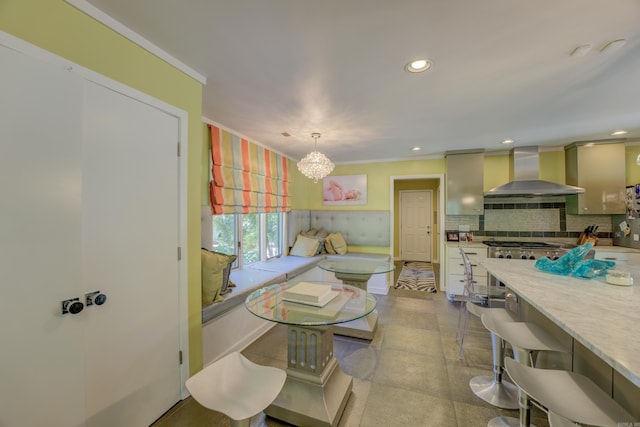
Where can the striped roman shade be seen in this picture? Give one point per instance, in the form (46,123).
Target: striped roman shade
(246,178)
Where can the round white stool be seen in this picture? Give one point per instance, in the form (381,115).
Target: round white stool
(494,389)
(526,339)
(569,397)
(237,387)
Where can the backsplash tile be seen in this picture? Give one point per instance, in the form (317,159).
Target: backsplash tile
(529,217)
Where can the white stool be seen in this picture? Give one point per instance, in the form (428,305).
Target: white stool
(569,397)
(494,389)
(237,387)
(526,339)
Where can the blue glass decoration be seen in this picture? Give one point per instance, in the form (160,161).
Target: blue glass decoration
(572,263)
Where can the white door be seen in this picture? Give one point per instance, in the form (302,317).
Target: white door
(415,225)
(41,351)
(130,245)
(89,201)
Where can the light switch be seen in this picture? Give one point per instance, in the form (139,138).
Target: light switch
(636,237)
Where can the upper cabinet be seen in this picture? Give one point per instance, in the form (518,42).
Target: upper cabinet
(465,180)
(599,168)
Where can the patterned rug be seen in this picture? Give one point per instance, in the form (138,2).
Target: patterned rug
(417,276)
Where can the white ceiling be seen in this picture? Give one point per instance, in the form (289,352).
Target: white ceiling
(501,70)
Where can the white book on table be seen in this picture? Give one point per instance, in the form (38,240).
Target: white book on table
(314,294)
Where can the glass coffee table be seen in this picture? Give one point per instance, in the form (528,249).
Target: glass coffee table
(316,390)
(357,272)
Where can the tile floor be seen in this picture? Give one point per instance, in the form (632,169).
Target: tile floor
(408,375)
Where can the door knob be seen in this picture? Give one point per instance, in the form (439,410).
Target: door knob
(95,297)
(73,306)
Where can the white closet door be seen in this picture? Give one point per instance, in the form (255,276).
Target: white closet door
(130,241)
(41,351)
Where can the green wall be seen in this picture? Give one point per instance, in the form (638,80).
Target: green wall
(65,31)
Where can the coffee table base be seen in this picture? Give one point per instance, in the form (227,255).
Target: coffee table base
(316,390)
(322,403)
(364,328)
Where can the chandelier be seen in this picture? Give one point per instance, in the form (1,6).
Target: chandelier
(315,165)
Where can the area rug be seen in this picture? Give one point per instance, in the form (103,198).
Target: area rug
(417,276)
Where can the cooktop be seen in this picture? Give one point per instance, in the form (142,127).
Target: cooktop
(504,244)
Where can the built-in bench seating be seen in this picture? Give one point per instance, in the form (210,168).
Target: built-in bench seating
(228,327)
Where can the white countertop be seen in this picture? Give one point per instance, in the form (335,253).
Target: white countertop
(604,318)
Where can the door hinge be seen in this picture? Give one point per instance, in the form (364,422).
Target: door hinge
(180,356)
(179,253)
(178,149)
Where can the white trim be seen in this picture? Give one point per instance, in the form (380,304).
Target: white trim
(33,51)
(134,37)
(441,217)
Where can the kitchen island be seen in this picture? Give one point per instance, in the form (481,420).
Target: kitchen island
(602,317)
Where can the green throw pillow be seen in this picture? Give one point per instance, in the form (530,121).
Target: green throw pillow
(213,265)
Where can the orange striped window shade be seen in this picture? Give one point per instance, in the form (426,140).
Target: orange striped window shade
(246,178)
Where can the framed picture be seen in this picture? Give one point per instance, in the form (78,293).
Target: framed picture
(452,236)
(345,190)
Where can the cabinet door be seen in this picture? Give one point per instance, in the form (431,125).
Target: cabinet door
(42,352)
(600,170)
(465,181)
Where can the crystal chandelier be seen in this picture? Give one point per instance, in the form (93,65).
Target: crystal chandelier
(315,165)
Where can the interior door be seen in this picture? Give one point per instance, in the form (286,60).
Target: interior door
(130,241)
(42,351)
(415,225)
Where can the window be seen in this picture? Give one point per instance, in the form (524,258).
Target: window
(274,234)
(253,237)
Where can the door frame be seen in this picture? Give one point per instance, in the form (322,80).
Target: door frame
(400,254)
(182,116)
(440,214)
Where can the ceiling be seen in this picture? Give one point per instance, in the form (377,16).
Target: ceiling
(502,69)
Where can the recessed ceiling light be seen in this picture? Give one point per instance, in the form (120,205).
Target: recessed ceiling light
(416,148)
(507,141)
(418,66)
(619,132)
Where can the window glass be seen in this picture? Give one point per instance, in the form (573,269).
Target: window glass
(273,234)
(224,234)
(250,239)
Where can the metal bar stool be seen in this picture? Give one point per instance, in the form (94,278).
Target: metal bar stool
(568,396)
(237,387)
(527,340)
(495,390)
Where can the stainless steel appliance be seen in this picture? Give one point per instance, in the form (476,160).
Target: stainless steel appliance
(523,250)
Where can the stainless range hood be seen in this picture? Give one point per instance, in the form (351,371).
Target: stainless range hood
(523,168)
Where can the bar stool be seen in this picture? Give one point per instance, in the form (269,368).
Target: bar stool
(237,387)
(568,396)
(527,340)
(480,295)
(494,389)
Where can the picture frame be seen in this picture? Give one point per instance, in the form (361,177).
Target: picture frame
(453,236)
(344,190)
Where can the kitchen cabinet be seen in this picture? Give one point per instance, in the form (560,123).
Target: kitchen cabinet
(454,287)
(465,184)
(599,168)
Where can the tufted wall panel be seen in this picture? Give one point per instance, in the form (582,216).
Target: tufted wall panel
(366,228)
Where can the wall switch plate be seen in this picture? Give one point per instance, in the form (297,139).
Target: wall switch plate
(636,237)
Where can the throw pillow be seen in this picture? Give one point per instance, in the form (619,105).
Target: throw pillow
(213,265)
(328,245)
(304,246)
(338,243)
